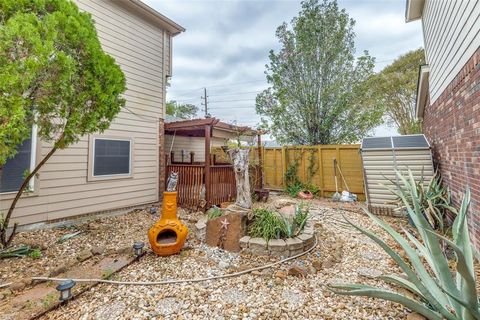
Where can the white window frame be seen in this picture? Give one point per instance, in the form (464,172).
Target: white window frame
(130,158)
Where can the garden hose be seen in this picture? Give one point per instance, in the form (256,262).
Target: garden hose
(153,283)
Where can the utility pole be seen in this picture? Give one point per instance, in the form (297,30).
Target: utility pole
(205,102)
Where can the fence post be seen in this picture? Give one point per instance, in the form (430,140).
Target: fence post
(284,166)
(320,168)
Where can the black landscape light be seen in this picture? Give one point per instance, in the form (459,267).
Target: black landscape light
(65,289)
(138,248)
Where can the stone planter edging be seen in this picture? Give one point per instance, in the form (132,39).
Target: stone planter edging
(280,247)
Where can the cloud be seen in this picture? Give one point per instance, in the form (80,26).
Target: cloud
(226,45)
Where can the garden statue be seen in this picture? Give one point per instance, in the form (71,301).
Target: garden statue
(167,236)
(240,167)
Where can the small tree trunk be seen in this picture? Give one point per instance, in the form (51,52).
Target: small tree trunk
(4,241)
(240,166)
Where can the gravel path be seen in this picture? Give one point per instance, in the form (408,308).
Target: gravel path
(341,256)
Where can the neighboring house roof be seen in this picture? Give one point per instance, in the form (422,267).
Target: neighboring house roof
(166,23)
(271,144)
(422,90)
(414,10)
(170,118)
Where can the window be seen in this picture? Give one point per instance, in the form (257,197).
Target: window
(111,157)
(12,173)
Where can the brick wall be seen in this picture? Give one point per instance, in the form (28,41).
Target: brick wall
(452,126)
(161,154)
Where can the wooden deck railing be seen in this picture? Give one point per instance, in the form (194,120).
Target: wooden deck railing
(222,184)
(191,179)
(189,185)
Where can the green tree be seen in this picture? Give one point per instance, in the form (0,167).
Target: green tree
(55,75)
(316,94)
(183,111)
(394,90)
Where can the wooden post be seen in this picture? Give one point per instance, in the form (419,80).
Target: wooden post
(260,162)
(208,133)
(192,157)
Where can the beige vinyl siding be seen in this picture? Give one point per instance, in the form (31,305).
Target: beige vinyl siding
(379,166)
(190,144)
(63,189)
(451,36)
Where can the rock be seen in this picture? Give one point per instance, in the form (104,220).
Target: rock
(225,231)
(201,223)
(277,246)
(2,296)
(369,272)
(317,264)
(58,270)
(17,286)
(84,255)
(124,250)
(328,264)
(258,245)
(98,250)
(288,211)
(370,255)
(280,203)
(280,274)
(294,244)
(244,242)
(415,316)
(297,271)
(223,264)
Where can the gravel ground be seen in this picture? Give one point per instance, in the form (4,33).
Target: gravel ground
(341,256)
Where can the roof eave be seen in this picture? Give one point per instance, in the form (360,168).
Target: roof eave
(171,26)
(422,90)
(414,10)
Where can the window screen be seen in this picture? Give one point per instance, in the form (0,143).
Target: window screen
(11,175)
(111,157)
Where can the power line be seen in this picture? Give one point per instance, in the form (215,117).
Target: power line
(220,101)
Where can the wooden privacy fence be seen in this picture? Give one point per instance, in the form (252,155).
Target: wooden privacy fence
(315,166)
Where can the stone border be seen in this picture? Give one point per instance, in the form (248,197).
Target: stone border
(280,247)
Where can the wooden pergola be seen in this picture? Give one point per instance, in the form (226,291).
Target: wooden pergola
(217,180)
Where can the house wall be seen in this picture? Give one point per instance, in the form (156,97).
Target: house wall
(63,189)
(451,35)
(195,144)
(452,125)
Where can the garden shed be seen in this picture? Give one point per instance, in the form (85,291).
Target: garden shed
(381,156)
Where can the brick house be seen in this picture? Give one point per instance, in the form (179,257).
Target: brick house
(448,94)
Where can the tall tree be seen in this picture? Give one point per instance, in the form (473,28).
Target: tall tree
(183,111)
(394,89)
(55,75)
(316,94)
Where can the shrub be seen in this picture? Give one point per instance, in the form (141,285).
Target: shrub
(214,212)
(441,293)
(272,225)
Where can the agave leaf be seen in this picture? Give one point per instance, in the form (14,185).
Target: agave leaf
(373,292)
(423,250)
(404,283)
(431,242)
(468,279)
(432,294)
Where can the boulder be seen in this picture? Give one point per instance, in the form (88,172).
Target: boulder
(225,231)
(84,255)
(297,271)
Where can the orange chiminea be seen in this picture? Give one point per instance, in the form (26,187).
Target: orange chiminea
(168,235)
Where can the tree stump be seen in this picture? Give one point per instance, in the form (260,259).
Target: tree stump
(240,162)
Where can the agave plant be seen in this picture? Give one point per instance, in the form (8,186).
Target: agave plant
(441,293)
(434,199)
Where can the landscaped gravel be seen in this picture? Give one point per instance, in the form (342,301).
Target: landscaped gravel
(342,255)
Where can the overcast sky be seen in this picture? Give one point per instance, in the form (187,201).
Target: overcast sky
(226,44)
